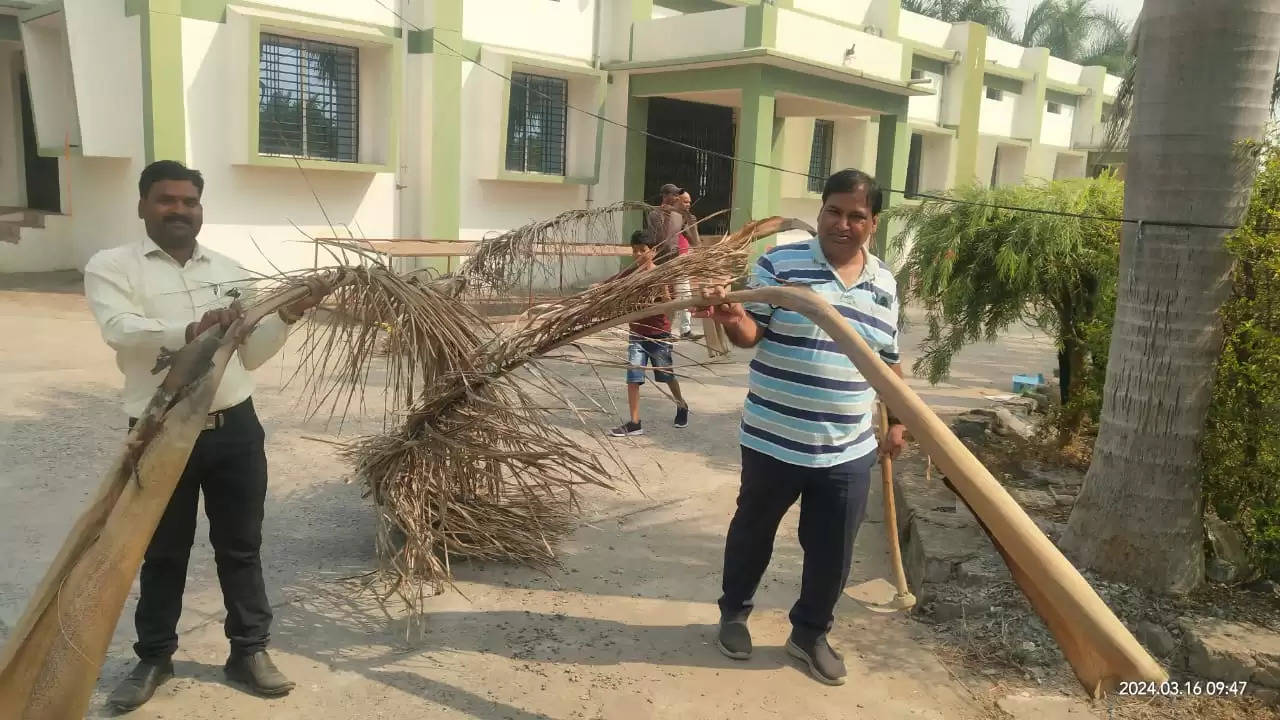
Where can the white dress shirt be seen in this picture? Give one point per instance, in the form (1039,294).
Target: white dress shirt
(143,301)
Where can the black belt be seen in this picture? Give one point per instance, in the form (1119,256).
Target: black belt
(213,421)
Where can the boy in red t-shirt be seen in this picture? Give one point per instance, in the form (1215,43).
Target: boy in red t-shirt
(649,342)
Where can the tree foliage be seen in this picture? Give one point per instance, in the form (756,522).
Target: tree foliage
(1077,31)
(992,13)
(1073,30)
(1241,446)
(977,270)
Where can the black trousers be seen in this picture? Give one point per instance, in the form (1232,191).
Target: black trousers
(230,466)
(833,502)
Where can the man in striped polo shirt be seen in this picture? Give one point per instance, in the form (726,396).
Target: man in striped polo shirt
(807,429)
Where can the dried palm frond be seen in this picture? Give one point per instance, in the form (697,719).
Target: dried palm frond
(503,262)
(476,470)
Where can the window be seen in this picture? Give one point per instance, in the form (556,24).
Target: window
(1054,107)
(995,94)
(820,154)
(536,124)
(914,157)
(308,99)
(917,74)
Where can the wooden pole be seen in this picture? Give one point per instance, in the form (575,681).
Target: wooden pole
(903,599)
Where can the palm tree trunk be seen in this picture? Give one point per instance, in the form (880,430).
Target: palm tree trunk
(1203,83)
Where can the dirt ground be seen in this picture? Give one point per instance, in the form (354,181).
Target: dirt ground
(624,631)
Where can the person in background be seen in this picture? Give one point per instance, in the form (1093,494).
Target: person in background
(158,294)
(688,238)
(806,429)
(649,343)
(666,221)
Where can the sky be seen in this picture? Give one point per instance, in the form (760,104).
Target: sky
(1128,9)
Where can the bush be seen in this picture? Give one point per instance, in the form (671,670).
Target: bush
(1240,453)
(978,269)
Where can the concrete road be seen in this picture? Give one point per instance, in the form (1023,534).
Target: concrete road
(625,631)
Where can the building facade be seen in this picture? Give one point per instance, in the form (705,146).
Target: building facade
(454,119)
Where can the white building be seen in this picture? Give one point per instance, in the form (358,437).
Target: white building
(412,132)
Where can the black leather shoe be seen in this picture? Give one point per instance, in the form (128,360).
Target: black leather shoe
(140,685)
(258,672)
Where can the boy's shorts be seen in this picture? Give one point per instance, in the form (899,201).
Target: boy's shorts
(651,351)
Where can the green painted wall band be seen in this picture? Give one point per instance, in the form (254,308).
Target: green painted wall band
(444,205)
(164,119)
(634,165)
(422,42)
(1036,93)
(739,76)
(752,184)
(762,26)
(893,145)
(971,71)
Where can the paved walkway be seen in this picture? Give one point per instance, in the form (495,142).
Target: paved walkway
(625,631)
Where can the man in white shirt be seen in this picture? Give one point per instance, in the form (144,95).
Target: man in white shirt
(156,295)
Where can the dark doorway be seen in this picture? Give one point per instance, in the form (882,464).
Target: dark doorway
(914,156)
(708,178)
(43,192)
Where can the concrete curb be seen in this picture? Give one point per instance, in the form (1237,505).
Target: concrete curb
(941,543)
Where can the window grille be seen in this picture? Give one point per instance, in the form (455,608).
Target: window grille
(536,124)
(308,99)
(820,154)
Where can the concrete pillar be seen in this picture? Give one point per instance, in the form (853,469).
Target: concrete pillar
(968,79)
(636,151)
(892,149)
(752,184)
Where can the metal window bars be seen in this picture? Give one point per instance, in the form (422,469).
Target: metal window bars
(308,99)
(820,154)
(536,124)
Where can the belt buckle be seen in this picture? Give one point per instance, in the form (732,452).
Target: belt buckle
(212,421)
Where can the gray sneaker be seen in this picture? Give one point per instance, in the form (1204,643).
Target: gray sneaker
(734,640)
(825,664)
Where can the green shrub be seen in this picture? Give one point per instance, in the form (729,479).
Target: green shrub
(977,270)
(1241,448)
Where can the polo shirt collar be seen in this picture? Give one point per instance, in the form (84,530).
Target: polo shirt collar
(870,266)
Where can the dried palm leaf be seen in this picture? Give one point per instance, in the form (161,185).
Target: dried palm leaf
(502,262)
(475,471)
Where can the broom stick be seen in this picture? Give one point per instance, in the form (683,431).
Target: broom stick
(903,599)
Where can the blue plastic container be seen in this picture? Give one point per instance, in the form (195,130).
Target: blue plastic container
(1027,382)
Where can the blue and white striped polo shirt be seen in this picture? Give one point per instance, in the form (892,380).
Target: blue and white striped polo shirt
(808,405)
